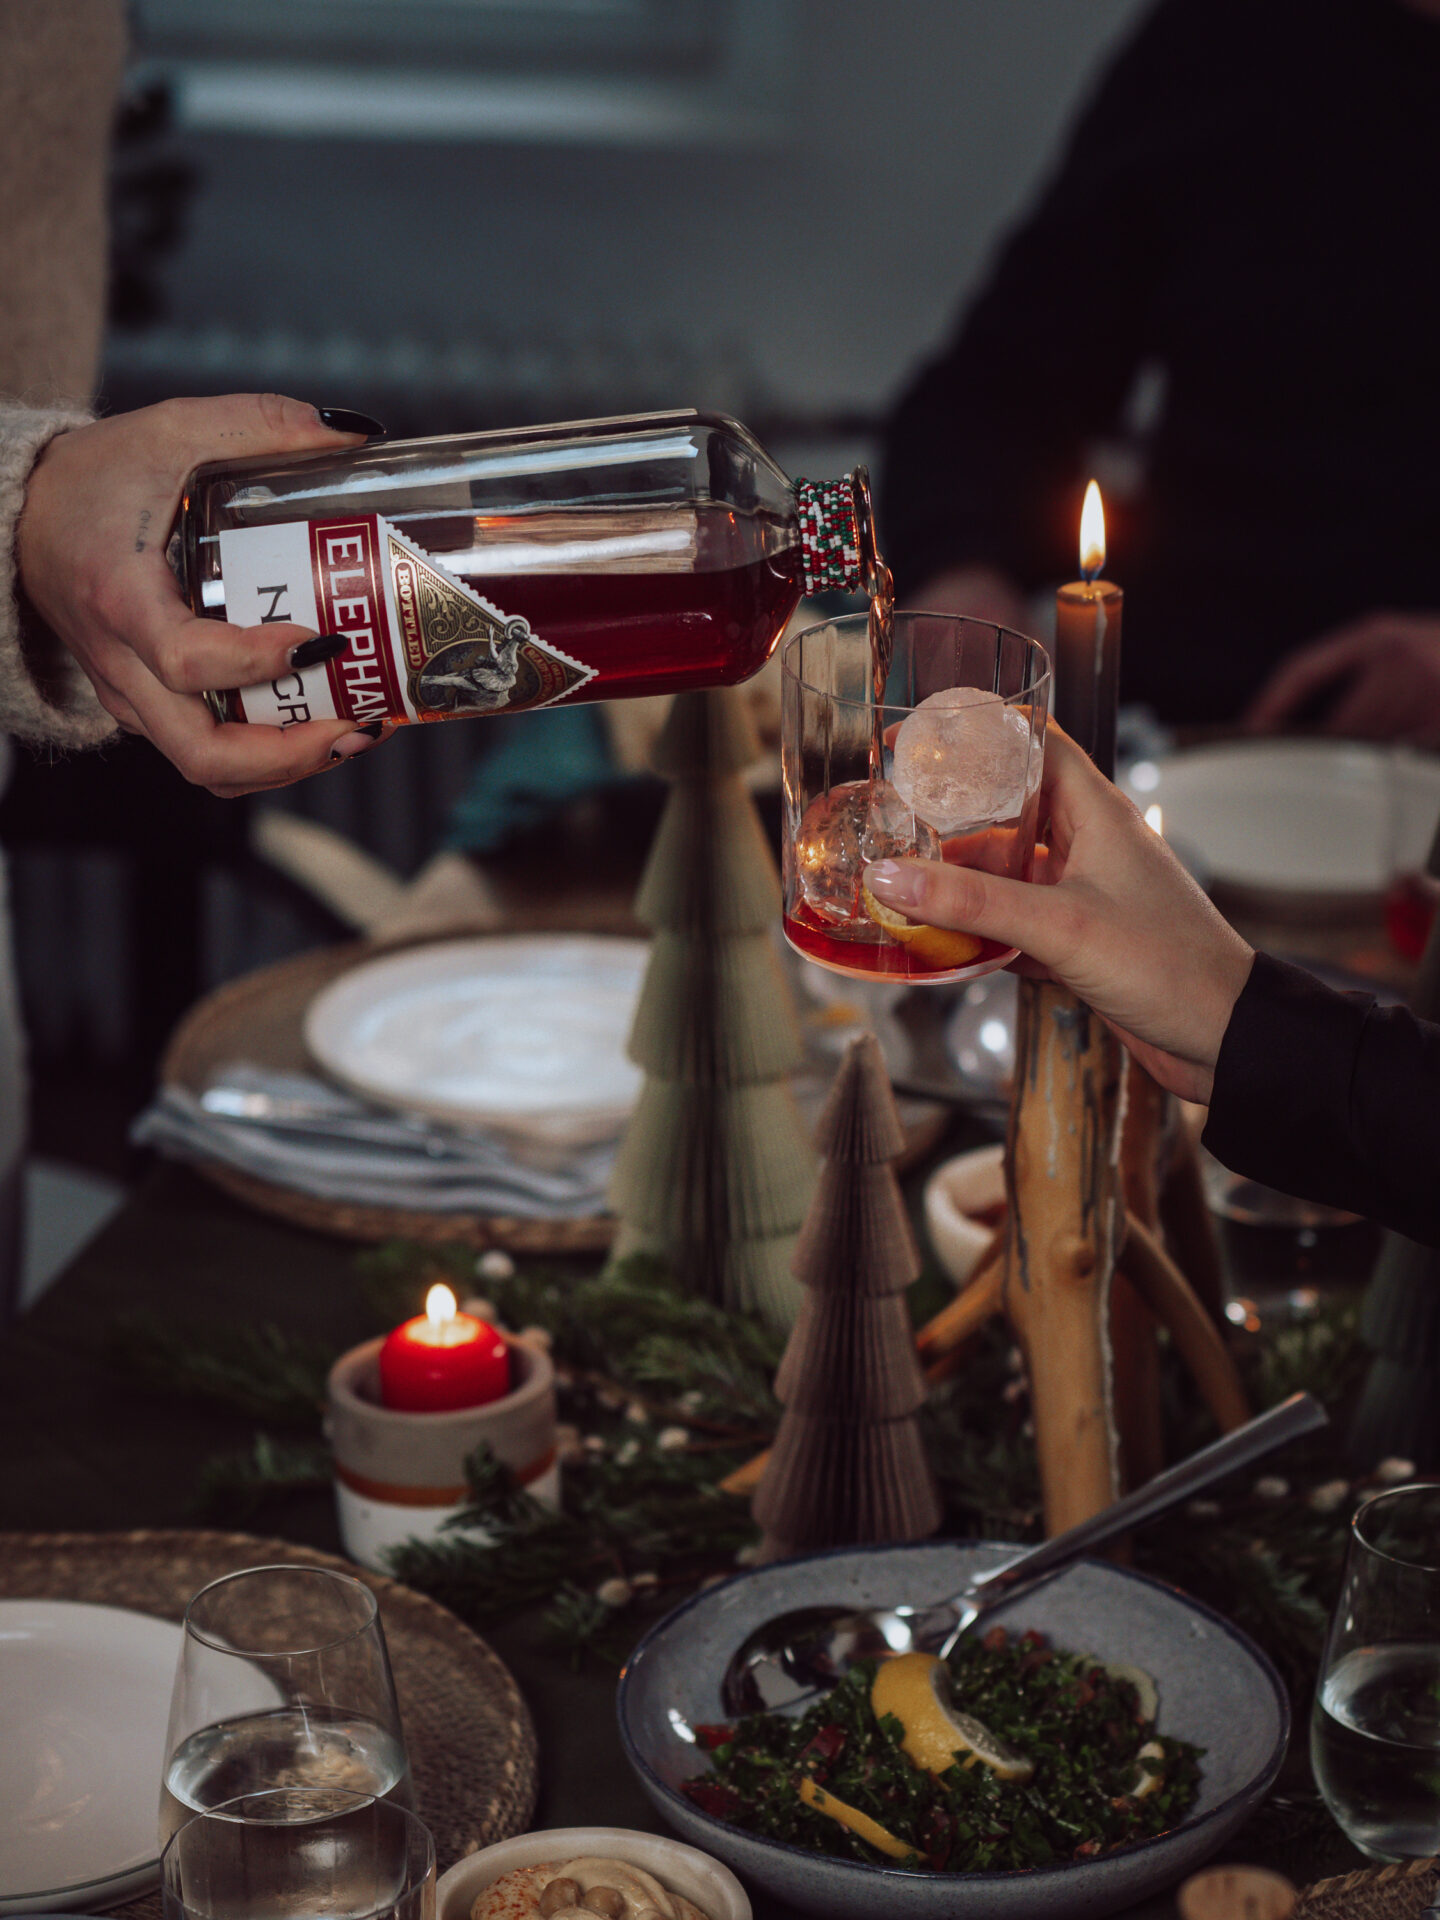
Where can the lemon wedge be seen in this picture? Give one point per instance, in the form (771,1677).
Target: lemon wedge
(1147,1695)
(1145,1782)
(915,1688)
(935,946)
(860,1824)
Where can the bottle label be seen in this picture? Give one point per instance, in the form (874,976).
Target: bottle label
(422,645)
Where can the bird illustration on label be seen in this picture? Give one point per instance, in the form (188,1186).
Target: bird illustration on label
(476,676)
(465,655)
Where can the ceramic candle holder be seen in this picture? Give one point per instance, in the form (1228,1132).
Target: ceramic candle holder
(401,1476)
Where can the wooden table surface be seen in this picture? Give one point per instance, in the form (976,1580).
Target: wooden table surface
(81,1449)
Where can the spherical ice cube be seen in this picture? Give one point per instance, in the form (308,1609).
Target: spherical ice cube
(841,832)
(892,831)
(962,759)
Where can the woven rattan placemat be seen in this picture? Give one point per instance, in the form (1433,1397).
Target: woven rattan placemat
(471,1741)
(1378,1893)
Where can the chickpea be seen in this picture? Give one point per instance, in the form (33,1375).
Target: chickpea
(559,1895)
(605,1900)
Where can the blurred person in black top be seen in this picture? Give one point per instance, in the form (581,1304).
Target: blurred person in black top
(1249,203)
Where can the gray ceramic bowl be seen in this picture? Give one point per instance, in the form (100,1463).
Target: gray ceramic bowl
(1216,1689)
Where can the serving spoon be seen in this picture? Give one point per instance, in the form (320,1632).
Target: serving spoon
(797,1654)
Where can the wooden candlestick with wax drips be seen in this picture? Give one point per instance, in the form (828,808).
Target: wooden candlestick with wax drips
(1095,1159)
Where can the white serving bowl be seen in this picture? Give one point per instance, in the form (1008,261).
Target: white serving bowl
(971,1183)
(681,1869)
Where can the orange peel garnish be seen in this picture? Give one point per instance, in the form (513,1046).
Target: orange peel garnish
(935,946)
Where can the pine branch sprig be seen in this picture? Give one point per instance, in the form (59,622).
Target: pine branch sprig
(654,1512)
(233,1486)
(258,1370)
(636,1358)
(580,1625)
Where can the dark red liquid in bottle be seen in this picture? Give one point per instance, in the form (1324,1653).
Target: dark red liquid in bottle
(709,620)
(653,632)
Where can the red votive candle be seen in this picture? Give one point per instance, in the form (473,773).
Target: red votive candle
(442,1360)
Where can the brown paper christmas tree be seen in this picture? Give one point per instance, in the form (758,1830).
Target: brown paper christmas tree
(715,1169)
(848,1465)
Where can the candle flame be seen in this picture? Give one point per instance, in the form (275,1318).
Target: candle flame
(1092,533)
(1155,820)
(439,1305)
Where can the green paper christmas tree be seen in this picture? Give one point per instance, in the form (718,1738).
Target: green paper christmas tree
(716,1168)
(849,1466)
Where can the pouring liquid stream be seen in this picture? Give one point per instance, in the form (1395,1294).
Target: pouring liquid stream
(881,585)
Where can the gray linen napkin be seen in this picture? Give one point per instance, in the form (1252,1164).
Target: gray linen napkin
(299,1132)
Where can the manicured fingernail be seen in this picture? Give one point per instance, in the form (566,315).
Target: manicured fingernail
(345,420)
(892,884)
(361,741)
(325,646)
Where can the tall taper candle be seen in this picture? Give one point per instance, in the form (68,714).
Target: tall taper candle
(1087,645)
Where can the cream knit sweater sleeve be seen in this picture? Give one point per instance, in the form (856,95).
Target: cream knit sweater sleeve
(44,696)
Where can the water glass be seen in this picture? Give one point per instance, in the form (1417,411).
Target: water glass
(283,1681)
(1375,1732)
(946,766)
(297,1853)
(1282,1255)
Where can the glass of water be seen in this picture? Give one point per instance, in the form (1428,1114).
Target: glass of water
(283,1682)
(300,1853)
(1375,1733)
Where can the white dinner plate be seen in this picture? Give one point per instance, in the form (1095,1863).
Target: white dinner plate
(522,1033)
(1295,817)
(84,1701)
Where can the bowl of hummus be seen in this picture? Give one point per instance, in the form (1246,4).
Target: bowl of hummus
(590,1873)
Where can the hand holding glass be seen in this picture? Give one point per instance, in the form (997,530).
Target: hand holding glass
(961,739)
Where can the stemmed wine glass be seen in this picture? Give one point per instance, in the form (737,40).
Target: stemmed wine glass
(283,1682)
(295,1853)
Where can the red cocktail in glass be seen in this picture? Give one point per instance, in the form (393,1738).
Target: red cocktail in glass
(962,743)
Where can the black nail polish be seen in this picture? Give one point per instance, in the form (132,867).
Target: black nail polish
(325,646)
(345,420)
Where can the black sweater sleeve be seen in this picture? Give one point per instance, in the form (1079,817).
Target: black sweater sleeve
(984,450)
(1331,1097)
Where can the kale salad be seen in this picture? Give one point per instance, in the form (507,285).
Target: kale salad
(1011,1754)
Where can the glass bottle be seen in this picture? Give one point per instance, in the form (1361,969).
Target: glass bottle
(490,572)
